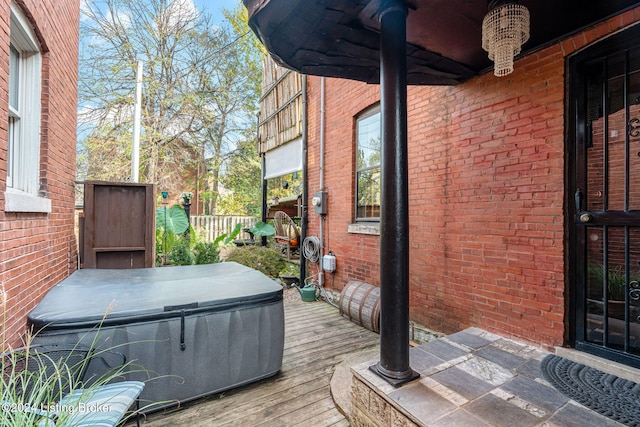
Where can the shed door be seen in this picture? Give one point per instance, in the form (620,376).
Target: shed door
(606,190)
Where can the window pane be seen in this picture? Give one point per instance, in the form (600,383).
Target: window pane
(368,141)
(595,138)
(634,145)
(12,148)
(368,204)
(368,165)
(25,79)
(14,78)
(615,140)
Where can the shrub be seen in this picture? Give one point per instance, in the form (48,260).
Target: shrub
(290,269)
(262,258)
(206,253)
(181,255)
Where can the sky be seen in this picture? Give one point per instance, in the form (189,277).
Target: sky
(215,7)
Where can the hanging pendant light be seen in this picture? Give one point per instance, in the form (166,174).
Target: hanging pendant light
(505,29)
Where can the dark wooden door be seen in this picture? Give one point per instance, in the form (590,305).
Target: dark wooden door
(605,220)
(119,225)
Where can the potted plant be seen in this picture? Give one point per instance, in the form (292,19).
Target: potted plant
(186,197)
(290,275)
(616,287)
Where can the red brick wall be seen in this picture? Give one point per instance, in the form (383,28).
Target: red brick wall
(344,100)
(487,176)
(39,250)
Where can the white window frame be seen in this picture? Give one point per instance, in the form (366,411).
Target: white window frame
(367,115)
(23,162)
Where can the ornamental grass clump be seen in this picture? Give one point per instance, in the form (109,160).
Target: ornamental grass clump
(35,378)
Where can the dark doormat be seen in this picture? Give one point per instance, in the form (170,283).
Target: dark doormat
(611,396)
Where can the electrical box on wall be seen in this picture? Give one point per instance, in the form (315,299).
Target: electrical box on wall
(319,202)
(329,263)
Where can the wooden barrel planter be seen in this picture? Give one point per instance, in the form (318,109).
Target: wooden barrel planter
(360,303)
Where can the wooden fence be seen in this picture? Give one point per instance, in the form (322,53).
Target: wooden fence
(212,226)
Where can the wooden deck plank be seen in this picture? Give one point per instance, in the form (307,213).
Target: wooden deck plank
(317,339)
(311,409)
(260,400)
(335,343)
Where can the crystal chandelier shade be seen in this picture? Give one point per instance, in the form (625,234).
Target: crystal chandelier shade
(504,30)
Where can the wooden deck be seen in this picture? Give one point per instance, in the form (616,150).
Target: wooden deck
(317,339)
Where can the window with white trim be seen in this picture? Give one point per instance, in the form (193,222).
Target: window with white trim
(25,81)
(368,160)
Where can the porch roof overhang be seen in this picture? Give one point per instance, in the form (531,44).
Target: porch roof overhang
(336,38)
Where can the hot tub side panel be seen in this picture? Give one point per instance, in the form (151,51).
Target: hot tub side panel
(186,357)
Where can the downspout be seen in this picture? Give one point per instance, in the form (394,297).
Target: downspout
(305,182)
(393,366)
(322,188)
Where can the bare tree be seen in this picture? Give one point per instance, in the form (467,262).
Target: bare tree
(200,92)
(227,97)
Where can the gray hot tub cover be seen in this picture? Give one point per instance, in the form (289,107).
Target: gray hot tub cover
(90,297)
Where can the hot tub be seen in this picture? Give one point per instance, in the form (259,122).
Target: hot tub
(195,330)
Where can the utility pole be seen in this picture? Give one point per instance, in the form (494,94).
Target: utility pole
(137,107)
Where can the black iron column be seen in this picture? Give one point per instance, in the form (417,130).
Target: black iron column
(304,220)
(394,216)
(263,218)
(186,204)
